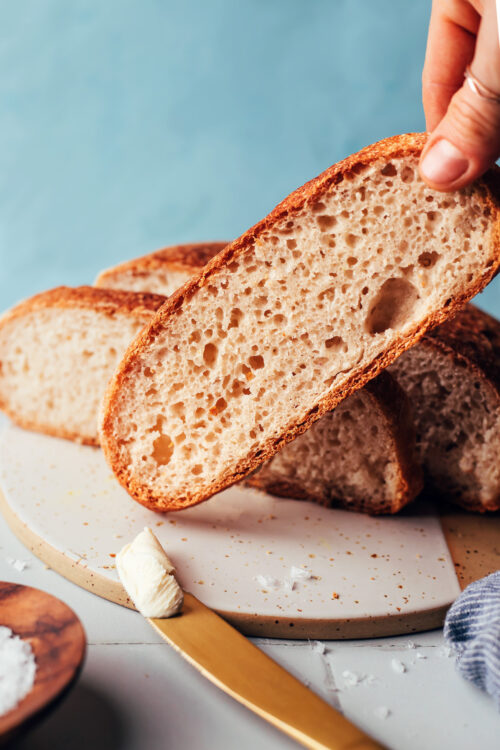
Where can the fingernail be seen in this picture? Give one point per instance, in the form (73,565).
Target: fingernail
(443,163)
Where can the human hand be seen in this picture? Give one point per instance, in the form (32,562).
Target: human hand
(464,126)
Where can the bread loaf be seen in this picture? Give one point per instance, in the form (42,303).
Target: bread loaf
(360,456)
(289,319)
(58,351)
(161,272)
(337,463)
(453,380)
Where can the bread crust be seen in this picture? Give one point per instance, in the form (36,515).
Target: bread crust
(471,340)
(188,258)
(488,190)
(391,403)
(107,301)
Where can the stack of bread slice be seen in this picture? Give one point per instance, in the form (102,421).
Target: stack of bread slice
(60,348)
(243,372)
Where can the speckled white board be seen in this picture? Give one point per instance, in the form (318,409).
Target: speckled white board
(361,567)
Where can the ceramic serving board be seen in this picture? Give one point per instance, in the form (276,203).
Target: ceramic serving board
(241,553)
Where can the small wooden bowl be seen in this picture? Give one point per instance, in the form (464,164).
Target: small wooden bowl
(57,639)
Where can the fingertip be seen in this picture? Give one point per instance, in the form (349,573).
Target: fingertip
(443,166)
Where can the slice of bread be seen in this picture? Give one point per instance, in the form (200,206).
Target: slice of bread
(59,349)
(360,456)
(161,272)
(453,380)
(302,310)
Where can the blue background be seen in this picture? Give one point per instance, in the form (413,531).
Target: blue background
(131,124)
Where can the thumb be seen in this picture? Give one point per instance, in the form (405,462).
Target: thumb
(467,140)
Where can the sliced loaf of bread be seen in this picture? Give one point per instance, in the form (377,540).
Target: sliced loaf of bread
(337,463)
(59,349)
(161,272)
(360,456)
(453,380)
(289,319)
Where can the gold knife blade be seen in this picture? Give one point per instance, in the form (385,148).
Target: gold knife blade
(230,661)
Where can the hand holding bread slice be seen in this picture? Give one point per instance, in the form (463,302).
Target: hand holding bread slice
(289,319)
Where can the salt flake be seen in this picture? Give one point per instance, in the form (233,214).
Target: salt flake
(299,574)
(382,712)
(351,679)
(398,666)
(17,669)
(318,647)
(18,565)
(268,582)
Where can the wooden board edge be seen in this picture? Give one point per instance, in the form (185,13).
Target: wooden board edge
(473,541)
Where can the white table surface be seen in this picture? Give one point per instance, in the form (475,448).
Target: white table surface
(136,693)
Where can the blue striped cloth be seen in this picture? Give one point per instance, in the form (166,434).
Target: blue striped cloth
(472,630)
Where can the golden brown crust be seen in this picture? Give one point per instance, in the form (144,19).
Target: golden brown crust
(471,340)
(189,258)
(110,302)
(390,402)
(107,301)
(488,190)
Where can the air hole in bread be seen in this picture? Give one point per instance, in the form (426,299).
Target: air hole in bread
(219,406)
(407,174)
(326,222)
(334,343)
(236,316)
(392,306)
(210,354)
(389,170)
(256,362)
(427,260)
(318,207)
(163,449)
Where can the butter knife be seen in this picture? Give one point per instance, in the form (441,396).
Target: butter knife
(230,661)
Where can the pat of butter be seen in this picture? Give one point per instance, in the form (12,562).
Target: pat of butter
(148,576)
